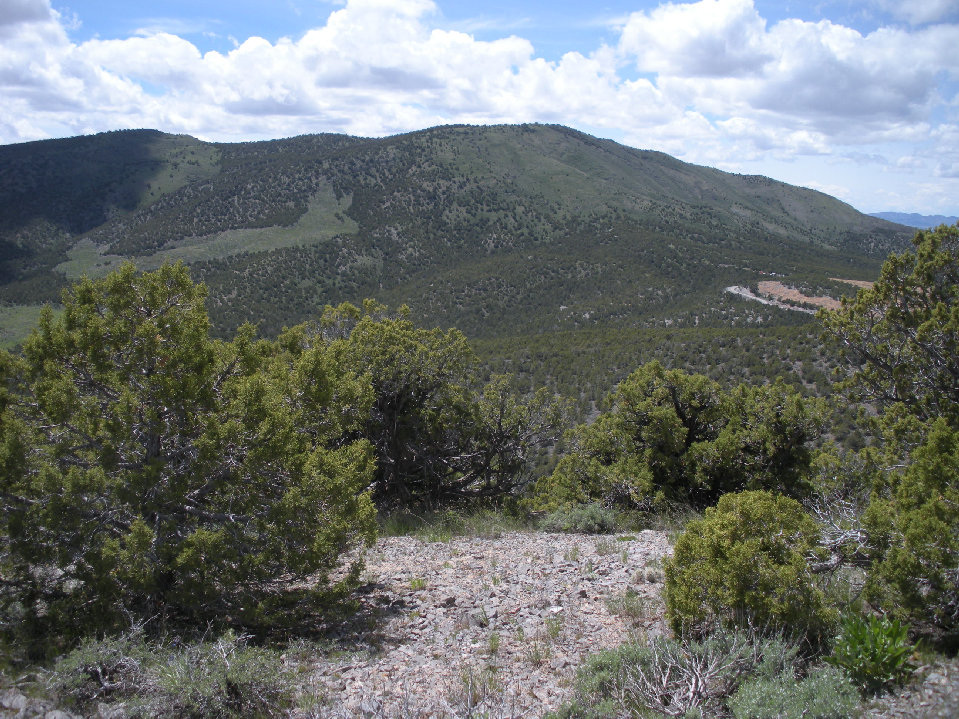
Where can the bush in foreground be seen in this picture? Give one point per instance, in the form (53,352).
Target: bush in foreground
(746,561)
(914,538)
(825,693)
(221,679)
(734,671)
(874,652)
(162,473)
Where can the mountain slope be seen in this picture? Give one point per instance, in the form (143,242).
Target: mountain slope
(505,232)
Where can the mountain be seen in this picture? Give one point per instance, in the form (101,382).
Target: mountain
(913,219)
(557,253)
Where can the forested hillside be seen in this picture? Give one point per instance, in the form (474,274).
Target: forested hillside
(527,238)
(191,473)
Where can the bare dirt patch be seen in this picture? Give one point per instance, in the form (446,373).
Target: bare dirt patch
(864,284)
(491,627)
(783,293)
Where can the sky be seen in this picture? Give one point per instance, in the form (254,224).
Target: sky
(857,98)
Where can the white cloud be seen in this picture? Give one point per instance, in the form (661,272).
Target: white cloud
(14,12)
(710,38)
(717,55)
(717,84)
(919,12)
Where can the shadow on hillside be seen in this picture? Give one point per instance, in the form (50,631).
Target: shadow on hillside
(358,622)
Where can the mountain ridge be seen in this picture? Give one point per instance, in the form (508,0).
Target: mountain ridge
(503,231)
(915,219)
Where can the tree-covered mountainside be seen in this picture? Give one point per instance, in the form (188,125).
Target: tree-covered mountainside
(526,238)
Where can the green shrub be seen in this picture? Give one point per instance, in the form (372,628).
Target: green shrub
(874,652)
(598,680)
(223,679)
(168,472)
(581,519)
(825,693)
(675,677)
(914,540)
(100,669)
(746,561)
(670,436)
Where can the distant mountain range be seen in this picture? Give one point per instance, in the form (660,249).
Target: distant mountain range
(913,219)
(531,238)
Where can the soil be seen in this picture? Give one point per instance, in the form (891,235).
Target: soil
(497,627)
(489,626)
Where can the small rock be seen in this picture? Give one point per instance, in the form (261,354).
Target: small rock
(111,711)
(57,714)
(12,699)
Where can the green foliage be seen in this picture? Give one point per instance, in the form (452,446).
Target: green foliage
(440,437)
(824,693)
(167,473)
(873,651)
(913,531)
(103,669)
(220,679)
(445,524)
(581,518)
(746,561)
(223,679)
(903,334)
(671,436)
(902,338)
(676,677)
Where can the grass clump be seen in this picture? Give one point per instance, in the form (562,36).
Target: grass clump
(443,525)
(581,519)
(222,679)
(824,693)
(728,672)
(630,605)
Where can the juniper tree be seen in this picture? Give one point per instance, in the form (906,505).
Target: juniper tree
(149,470)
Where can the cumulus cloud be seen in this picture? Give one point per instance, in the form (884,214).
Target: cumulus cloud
(710,38)
(820,75)
(710,81)
(13,12)
(919,12)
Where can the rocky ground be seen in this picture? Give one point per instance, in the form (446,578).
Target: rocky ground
(934,695)
(492,627)
(496,627)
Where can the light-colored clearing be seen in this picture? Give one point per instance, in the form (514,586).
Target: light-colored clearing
(781,292)
(17,322)
(325,218)
(864,284)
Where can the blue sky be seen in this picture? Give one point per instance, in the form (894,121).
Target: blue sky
(858,98)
